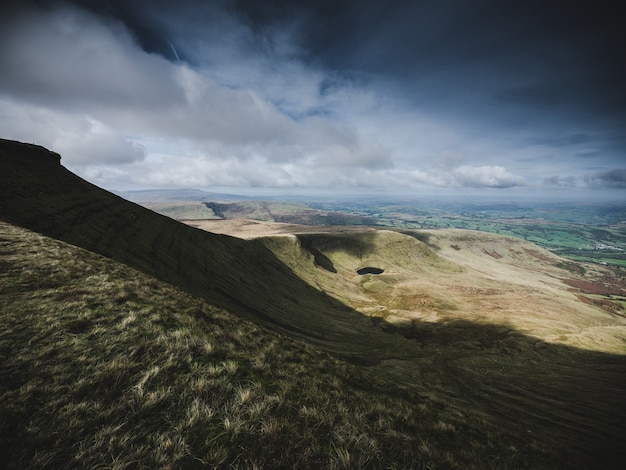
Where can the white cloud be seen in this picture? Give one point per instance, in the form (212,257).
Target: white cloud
(80,139)
(237,110)
(67,57)
(466,176)
(486,177)
(434,178)
(99,143)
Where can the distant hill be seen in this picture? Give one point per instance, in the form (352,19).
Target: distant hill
(193,204)
(171,195)
(126,337)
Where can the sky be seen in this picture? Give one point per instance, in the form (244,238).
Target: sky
(496,97)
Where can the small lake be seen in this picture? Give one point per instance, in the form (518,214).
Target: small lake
(370,270)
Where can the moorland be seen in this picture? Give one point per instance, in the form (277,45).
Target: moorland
(577,230)
(133,340)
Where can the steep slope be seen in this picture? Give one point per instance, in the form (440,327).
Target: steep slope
(244,277)
(469,394)
(103,366)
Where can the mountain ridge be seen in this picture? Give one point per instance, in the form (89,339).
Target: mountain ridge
(568,397)
(63,206)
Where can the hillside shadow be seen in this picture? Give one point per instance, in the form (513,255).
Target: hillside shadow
(320,259)
(565,397)
(423,237)
(217,208)
(358,245)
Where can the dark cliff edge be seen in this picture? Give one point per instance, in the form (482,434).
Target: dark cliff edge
(244,277)
(28,154)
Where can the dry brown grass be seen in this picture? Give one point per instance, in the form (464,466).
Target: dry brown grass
(105,367)
(456,275)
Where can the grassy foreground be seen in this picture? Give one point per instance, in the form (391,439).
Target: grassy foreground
(105,367)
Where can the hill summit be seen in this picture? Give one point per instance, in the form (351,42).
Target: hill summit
(28,154)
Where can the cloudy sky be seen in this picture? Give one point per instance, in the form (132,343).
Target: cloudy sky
(424,96)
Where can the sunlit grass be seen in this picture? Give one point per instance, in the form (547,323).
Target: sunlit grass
(104,367)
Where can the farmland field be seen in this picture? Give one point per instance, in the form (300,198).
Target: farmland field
(580,231)
(593,232)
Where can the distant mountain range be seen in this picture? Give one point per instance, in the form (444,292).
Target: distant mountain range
(183,194)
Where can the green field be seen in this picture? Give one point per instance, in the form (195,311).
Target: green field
(579,231)
(591,232)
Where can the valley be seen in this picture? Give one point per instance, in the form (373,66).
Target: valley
(486,278)
(580,231)
(240,343)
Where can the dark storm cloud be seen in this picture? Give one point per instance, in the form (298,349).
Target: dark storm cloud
(508,59)
(613,179)
(558,55)
(453,93)
(553,68)
(531,38)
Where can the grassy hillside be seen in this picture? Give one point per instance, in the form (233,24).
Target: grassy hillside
(105,367)
(137,373)
(244,277)
(154,363)
(449,275)
(182,210)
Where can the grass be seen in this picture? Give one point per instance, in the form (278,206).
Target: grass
(182,349)
(139,374)
(182,210)
(105,367)
(455,275)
